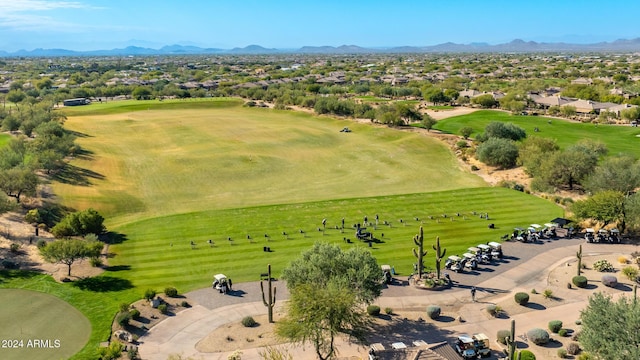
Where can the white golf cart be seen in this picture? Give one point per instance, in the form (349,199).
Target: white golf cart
(496,249)
(220,283)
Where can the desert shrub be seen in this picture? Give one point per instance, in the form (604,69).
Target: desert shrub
(492,309)
(163,308)
(576,336)
(373,310)
(134,313)
(123,319)
(171,292)
(585,356)
(609,280)
(521,298)
(563,332)
(538,336)
(579,281)
(184,303)
(14,247)
(623,259)
(548,293)
(502,336)
(248,321)
(573,348)
(41,243)
(527,355)
(388,310)
(630,272)
(132,354)
(124,307)
(462,144)
(149,294)
(578,322)
(602,266)
(533,291)
(96,262)
(562,353)
(111,352)
(433,311)
(498,152)
(555,326)
(474,168)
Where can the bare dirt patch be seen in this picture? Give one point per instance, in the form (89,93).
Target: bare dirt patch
(235,336)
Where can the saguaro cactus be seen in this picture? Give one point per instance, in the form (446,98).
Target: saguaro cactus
(511,341)
(420,253)
(440,253)
(579,256)
(271,296)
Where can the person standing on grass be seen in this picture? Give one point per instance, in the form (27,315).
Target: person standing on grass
(473,293)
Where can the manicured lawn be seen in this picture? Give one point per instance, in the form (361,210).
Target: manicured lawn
(124,106)
(372,99)
(158,251)
(619,139)
(40,316)
(154,163)
(440,107)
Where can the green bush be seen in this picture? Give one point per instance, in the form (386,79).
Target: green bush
(538,336)
(124,307)
(630,272)
(462,144)
(563,332)
(548,293)
(171,292)
(388,311)
(579,281)
(555,326)
(96,262)
(248,321)
(527,355)
(492,309)
(585,356)
(149,294)
(498,152)
(573,348)
(521,298)
(163,308)
(373,310)
(185,304)
(609,281)
(474,168)
(123,319)
(41,243)
(433,311)
(112,352)
(14,247)
(134,313)
(602,266)
(562,353)
(502,336)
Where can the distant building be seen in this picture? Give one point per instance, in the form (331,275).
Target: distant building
(76,102)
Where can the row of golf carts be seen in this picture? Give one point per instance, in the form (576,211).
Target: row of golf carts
(535,232)
(611,236)
(481,254)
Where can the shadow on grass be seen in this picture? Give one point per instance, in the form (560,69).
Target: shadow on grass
(113,237)
(117,268)
(74,175)
(103,284)
(6,275)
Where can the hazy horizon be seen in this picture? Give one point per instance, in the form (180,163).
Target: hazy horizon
(101,24)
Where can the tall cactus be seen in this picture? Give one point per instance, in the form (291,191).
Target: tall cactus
(579,256)
(439,255)
(420,253)
(511,341)
(271,295)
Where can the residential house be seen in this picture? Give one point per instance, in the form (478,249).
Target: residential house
(582,81)
(589,106)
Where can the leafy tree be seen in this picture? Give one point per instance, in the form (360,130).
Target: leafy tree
(620,173)
(317,315)
(16,96)
(606,206)
(534,151)
(498,152)
(486,101)
(428,121)
(79,223)
(466,131)
(354,269)
(610,329)
(142,93)
(503,130)
(568,110)
(569,167)
(18,181)
(630,114)
(65,252)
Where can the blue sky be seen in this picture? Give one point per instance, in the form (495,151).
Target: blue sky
(103,24)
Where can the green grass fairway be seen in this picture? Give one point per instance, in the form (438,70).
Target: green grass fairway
(41,326)
(619,139)
(159,253)
(152,163)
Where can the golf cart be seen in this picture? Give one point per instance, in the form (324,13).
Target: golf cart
(614,236)
(496,249)
(601,236)
(519,234)
(386,274)
(551,230)
(471,261)
(465,347)
(589,235)
(220,283)
(478,254)
(481,343)
(486,251)
(453,263)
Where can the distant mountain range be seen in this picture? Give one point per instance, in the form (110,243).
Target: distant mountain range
(515,46)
